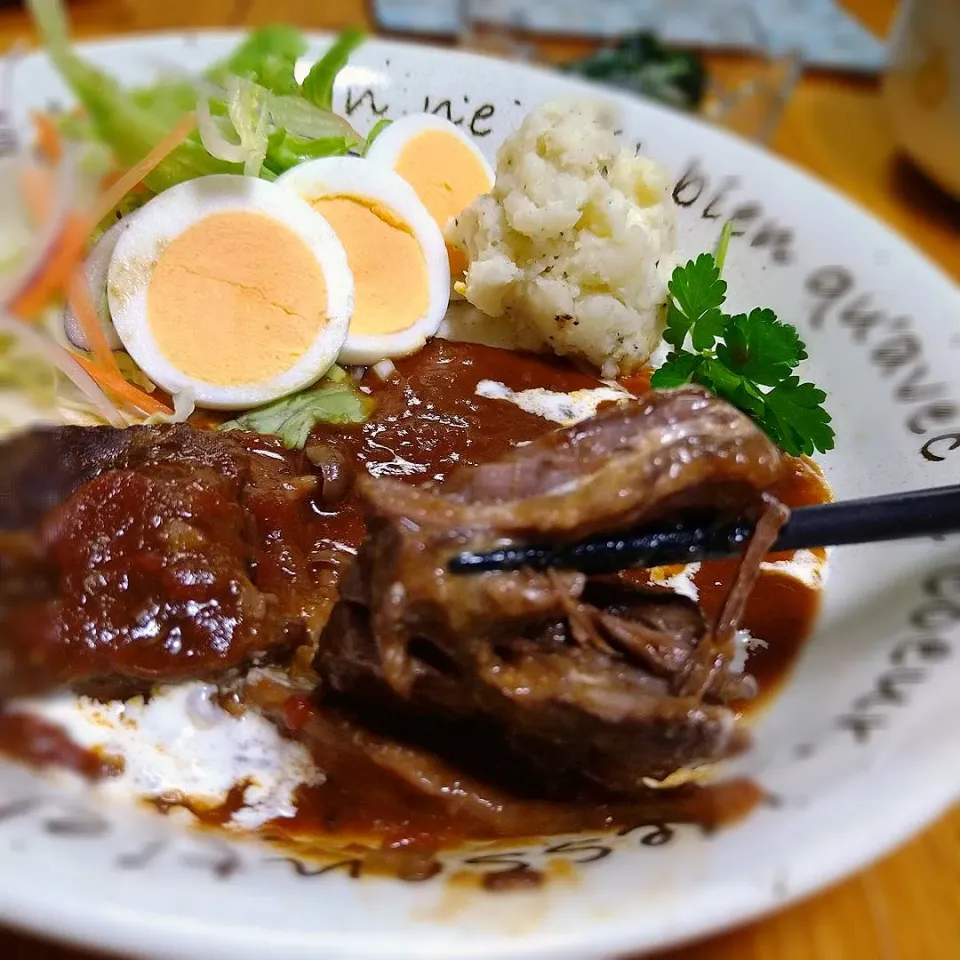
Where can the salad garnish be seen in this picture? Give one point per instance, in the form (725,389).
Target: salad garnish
(120,147)
(747,359)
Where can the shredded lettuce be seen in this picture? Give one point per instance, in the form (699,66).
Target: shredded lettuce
(268,58)
(378,128)
(168,99)
(319,82)
(234,126)
(132,373)
(335,399)
(116,117)
(184,406)
(303,119)
(285,151)
(247,109)
(252,95)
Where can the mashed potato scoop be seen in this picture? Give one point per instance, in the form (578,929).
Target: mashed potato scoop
(576,241)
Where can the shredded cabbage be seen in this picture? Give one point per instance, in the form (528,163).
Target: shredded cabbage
(184,405)
(27,372)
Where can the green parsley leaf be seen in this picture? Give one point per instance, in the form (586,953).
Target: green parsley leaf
(676,371)
(734,389)
(697,293)
(706,330)
(697,289)
(800,417)
(747,359)
(760,347)
(292,418)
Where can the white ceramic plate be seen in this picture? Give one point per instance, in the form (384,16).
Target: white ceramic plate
(859,751)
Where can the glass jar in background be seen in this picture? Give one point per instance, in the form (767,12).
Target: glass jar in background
(496,28)
(921,88)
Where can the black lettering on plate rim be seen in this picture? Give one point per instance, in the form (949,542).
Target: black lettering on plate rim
(354,102)
(659,835)
(593,848)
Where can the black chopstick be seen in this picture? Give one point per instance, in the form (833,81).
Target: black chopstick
(900,516)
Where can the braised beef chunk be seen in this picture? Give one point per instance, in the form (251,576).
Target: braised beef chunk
(149,554)
(579,680)
(420,791)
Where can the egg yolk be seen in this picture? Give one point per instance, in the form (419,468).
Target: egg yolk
(236,299)
(447,178)
(391,283)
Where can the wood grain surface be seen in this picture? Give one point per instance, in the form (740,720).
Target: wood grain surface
(907,907)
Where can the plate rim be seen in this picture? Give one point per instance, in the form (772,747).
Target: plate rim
(122,929)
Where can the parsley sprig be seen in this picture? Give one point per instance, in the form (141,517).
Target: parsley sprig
(747,359)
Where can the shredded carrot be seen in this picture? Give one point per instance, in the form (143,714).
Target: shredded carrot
(134,176)
(37,187)
(55,272)
(49,141)
(109,179)
(52,276)
(119,387)
(62,270)
(78,293)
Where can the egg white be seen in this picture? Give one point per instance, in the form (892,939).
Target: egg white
(172,213)
(390,142)
(95,271)
(357,177)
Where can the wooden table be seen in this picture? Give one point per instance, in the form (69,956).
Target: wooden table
(908,905)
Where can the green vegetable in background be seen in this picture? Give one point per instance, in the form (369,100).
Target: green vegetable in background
(737,357)
(335,399)
(642,64)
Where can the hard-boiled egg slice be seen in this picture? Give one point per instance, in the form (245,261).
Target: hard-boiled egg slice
(232,288)
(95,271)
(442,164)
(395,251)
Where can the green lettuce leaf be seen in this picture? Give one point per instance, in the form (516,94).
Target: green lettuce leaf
(116,115)
(253,94)
(268,57)
(292,418)
(318,84)
(285,150)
